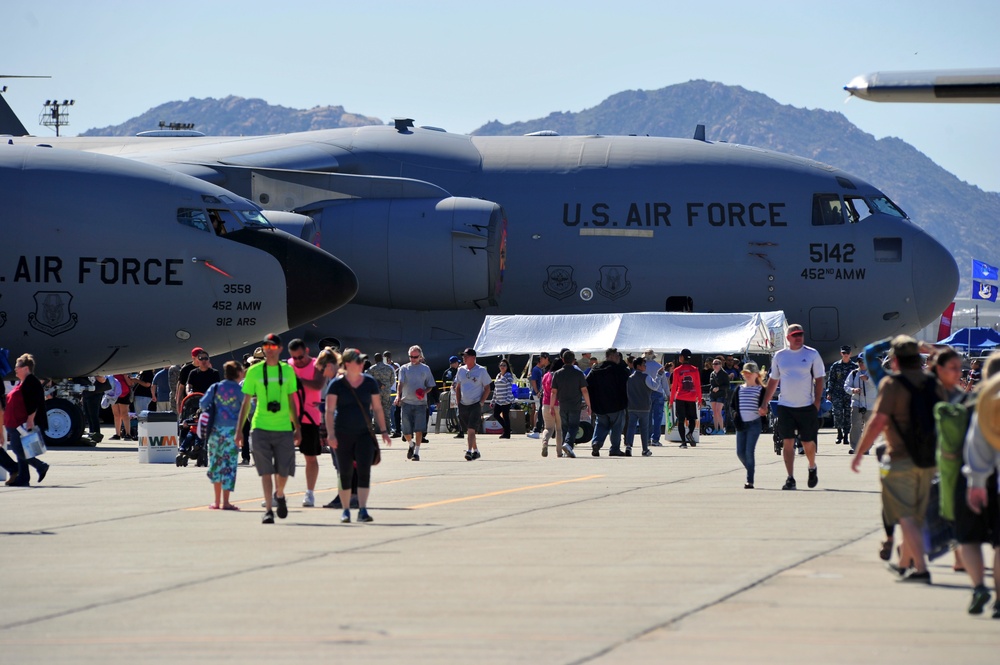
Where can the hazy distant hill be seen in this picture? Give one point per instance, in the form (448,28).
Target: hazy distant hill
(962,216)
(236,116)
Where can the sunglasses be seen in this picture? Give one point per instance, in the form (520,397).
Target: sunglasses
(202,358)
(269,345)
(415,357)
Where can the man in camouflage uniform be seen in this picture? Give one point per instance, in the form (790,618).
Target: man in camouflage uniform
(839,397)
(386,377)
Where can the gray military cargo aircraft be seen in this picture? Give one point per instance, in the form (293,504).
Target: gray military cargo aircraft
(109,265)
(596,224)
(952,86)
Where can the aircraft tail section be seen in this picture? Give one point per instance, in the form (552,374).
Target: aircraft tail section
(9,122)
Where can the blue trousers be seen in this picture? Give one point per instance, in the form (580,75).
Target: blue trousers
(656,415)
(746,446)
(14,438)
(570,424)
(609,423)
(638,420)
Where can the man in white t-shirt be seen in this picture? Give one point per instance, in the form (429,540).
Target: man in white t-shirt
(472,388)
(801,372)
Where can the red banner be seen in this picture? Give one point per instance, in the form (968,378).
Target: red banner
(944,329)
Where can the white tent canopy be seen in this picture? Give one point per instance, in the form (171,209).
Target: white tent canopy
(664,332)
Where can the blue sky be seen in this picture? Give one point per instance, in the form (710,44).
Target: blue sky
(458,65)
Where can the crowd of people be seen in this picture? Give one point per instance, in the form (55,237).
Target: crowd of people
(940,425)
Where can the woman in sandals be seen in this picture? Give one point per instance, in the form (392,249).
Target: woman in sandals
(224,399)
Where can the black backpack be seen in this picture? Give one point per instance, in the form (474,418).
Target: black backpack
(920,438)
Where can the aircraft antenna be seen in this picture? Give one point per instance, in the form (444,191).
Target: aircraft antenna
(54,114)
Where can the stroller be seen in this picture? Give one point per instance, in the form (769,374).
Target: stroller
(190,446)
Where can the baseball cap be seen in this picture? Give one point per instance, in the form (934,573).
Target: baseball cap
(904,346)
(795,328)
(353,355)
(469,352)
(271,338)
(454,359)
(197,351)
(686,353)
(845,348)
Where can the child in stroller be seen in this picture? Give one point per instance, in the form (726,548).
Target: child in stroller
(190,446)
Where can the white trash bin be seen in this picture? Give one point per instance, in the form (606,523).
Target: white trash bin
(157,437)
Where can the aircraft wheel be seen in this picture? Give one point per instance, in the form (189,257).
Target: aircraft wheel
(584,433)
(65,423)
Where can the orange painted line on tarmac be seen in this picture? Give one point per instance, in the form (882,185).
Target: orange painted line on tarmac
(502,492)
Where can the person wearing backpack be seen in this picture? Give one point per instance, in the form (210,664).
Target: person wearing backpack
(685,392)
(902,411)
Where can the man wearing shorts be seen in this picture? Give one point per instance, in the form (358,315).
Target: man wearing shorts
(274,431)
(310,384)
(801,372)
(906,487)
(415,381)
(472,389)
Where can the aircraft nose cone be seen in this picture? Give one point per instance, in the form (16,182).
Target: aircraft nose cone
(935,278)
(316,283)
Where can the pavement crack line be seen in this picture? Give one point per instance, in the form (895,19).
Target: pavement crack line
(215,577)
(718,601)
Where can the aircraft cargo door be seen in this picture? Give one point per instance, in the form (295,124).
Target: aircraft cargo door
(824,324)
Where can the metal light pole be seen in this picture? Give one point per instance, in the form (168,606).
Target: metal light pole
(54,114)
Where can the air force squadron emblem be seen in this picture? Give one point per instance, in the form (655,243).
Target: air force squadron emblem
(560,283)
(52,315)
(613,283)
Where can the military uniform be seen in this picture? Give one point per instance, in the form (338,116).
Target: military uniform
(839,398)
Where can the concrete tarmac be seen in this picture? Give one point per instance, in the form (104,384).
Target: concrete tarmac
(510,558)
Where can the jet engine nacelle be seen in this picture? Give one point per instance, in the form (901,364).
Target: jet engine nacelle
(417,253)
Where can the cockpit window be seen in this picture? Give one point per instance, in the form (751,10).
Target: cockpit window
(253,218)
(884,205)
(857,209)
(194,218)
(827,210)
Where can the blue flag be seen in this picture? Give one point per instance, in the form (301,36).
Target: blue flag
(983,291)
(982,270)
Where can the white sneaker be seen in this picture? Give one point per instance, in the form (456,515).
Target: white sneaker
(308,501)
(533,435)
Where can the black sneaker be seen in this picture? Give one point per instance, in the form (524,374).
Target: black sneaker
(468,455)
(268,518)
(628,452)
(409,453)
(898,571)
(647,453)
(813,478)
(459,436)
(616,453)
(913,577)
(363,516)
(980,596)
(996,610)
(691,440)
(595,451)
(42,472)
(335,503)
(475,454)
(683,444)
(415,458)
(789,484)
(282,507)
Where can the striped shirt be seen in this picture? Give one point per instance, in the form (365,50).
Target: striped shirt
(749,402)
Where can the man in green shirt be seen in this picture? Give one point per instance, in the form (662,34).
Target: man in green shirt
(274,430)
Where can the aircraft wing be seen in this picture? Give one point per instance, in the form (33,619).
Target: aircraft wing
(956,86)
